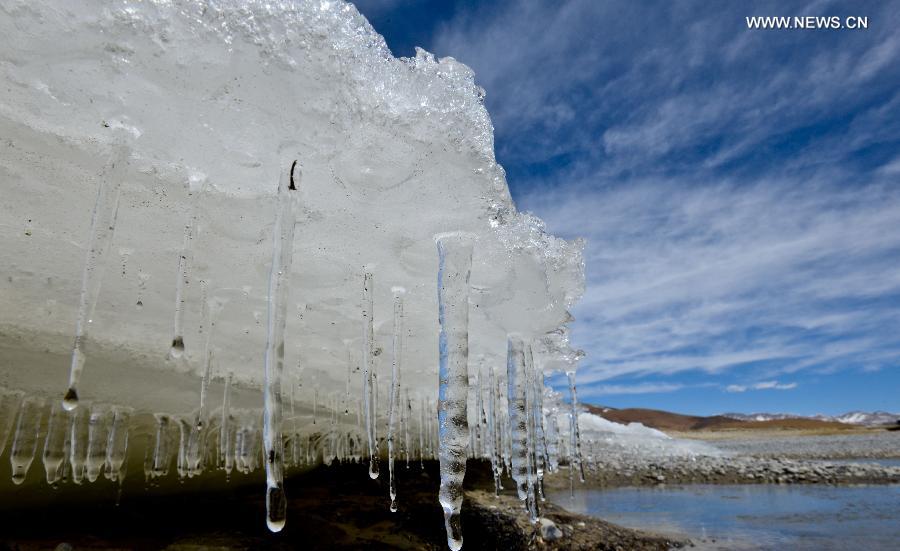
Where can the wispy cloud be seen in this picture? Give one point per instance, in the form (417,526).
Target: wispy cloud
(765,385)
(738,189)
(640,388)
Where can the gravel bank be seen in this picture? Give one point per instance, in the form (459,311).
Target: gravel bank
(745,460)
(726,470)
(869,445)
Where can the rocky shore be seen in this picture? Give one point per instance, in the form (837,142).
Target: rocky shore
(501,523)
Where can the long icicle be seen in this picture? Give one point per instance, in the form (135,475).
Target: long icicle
(103,226)
(531,502)
(394,403)
(279,284)
(540,443)
(197,438)
(368,369)
(493,436)
(518,414)
(224,427)
(185,259)
(454,268)
(574,435)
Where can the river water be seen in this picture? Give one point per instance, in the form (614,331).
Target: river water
(803,517)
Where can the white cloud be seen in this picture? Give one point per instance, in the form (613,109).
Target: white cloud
(732,224)
(640,388)
(764,385)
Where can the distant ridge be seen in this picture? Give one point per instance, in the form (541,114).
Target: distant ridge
(868,419)
(668,421)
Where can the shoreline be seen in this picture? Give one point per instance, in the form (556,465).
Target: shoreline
(329,507)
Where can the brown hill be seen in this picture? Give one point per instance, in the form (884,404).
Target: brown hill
(668,421)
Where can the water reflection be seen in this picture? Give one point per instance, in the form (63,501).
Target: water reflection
(754,516)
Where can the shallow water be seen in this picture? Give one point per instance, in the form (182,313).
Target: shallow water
(753,516)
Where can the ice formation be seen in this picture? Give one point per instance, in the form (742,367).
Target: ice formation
(604,438)
(160,131)
(454,270)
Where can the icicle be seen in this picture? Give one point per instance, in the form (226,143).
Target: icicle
(98,438)
(375,414)
(279,285)
(117,445)
(540,439)
(296,448)
(161,446)
(25,439)
(10,402)
(55,443)
(185,259)
(368,372)
(574,433)
(80,422)
(518,414)
(184,432)
(408,411)
(224,428)
(293,413)
(454,267)
(552,436)
(493,436)
(539,445)
(422,434)
(103,225)
(120,477)
(531,502)
(394,403)
(349,376)
(63,471)
(208,323)
(479,411)
(148,460)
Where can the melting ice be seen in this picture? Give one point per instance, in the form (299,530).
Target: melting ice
(162,131)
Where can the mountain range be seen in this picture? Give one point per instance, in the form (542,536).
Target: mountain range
(868,419)
(669,421)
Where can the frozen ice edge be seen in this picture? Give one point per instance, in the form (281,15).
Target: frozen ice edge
(201,44)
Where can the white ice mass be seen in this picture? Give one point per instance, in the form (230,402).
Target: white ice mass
(141,154)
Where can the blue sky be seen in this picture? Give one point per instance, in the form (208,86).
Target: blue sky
(739,189)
